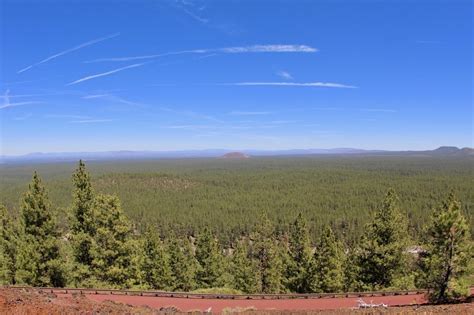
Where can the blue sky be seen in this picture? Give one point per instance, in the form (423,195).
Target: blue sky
(193,74)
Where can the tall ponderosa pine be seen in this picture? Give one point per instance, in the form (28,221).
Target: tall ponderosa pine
(382,254)
(448,252)
(183,264)
(208,254)
(265,250)
(244,270)
(83,225)
(351,271)
(38,262)
(301,256)
(327,270)
(112,248)
(8,248)
(155,267)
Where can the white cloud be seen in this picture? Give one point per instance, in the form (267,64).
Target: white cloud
(143,57)
(67,51)
(8,104)
(29,95)
(103,74)
(207,56)
(18,104)
(309,84)
(195,16)
(244,113)
(225,50)
(92,96)
(285,75)
(282,122)
(328,108)
(79,117)
(114,99)
(269,49)
(379,110)
(89,121)
(190,9)
(189,127)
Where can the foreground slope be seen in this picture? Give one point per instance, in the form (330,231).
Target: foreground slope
(29,301)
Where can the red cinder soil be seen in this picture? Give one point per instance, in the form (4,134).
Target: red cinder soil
(218,305)
(29,301)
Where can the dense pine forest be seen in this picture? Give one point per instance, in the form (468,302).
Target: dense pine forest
(228,196)
(90,241)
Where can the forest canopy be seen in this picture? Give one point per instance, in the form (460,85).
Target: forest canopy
(97,245)
(228,196)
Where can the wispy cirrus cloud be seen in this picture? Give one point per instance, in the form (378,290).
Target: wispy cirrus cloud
(283,122)
(285,75)
(328,108)
(189,127)
(378,110)
(192,9)
(308,84)
(207,56)
(31,95)
(225,50)
(269,49)
(92,96)
(18,104)
(103,74)
(189,8)
(114,99)
(248,113)
(66,116)
(143,57)
(67,51)
(8,104)
(90,121)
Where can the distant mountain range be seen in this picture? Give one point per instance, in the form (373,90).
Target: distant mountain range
(210,153)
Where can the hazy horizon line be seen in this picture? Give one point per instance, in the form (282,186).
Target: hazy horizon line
(233,150)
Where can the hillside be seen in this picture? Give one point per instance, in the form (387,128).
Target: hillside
(212,153)
(235,156)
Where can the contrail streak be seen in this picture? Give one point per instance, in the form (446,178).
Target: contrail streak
(92,42)
(103,74)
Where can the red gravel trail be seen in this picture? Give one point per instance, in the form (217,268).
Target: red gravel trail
(217,305)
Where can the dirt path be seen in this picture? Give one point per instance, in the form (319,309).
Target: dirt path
(218,305)
(33,301)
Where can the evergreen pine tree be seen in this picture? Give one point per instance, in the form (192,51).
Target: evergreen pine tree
(301,256)
(265,250)
(244,270)
(183,265)
(211,269)
(448,253)
(8,239)
(112,246)
(155,266)
(382,255)
(351,271)
(83,224)
(327,271)
(39,262)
